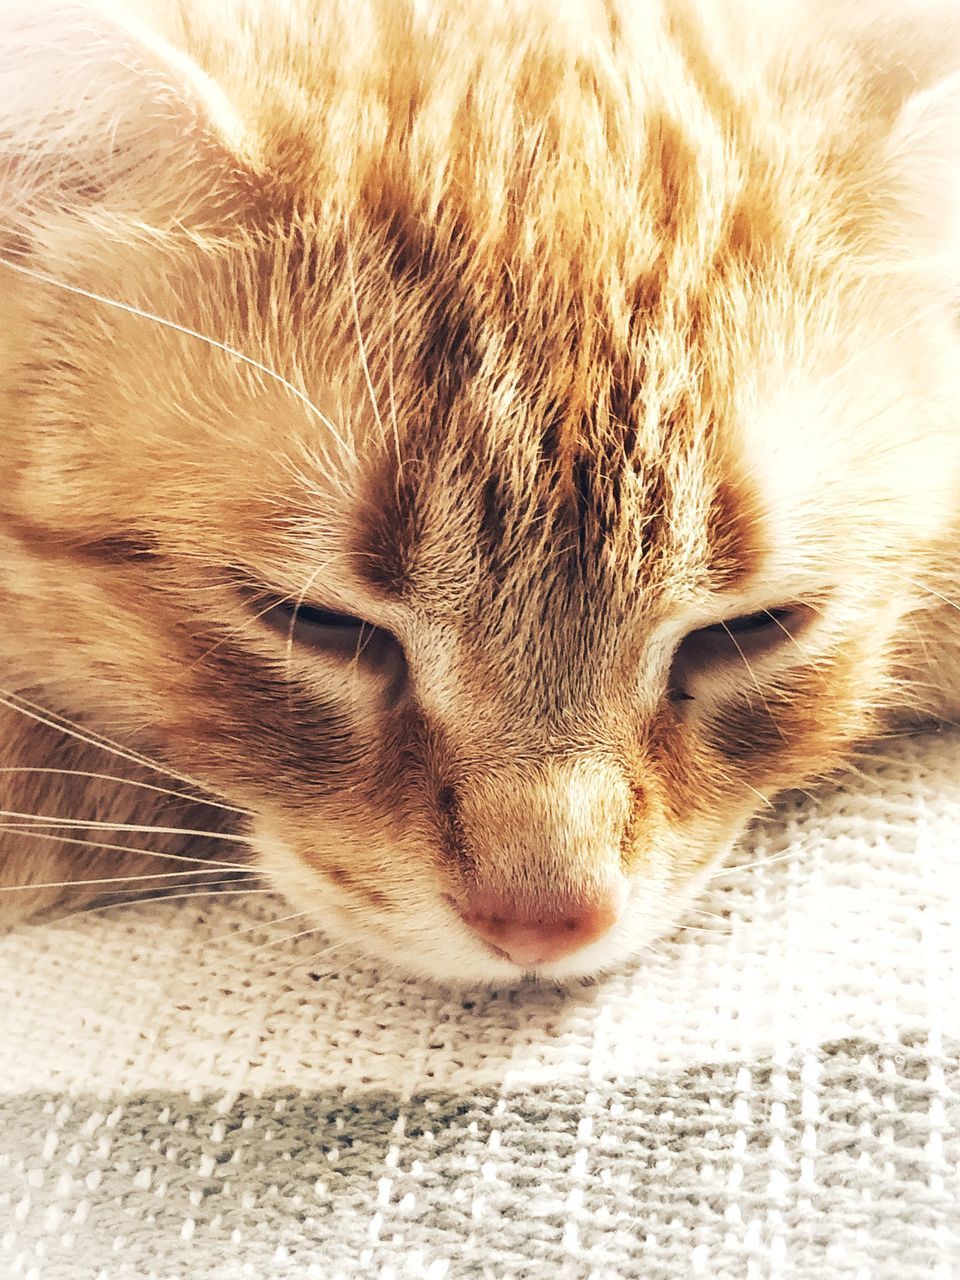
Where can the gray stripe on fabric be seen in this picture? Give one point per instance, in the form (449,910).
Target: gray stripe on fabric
(841,1164)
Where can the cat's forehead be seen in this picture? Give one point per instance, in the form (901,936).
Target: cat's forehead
(542,442)
(540,322)
(575,495)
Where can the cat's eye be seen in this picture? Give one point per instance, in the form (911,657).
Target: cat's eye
(341,635)
(739,639)
(310,625)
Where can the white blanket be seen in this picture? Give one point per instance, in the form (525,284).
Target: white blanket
(775,1093)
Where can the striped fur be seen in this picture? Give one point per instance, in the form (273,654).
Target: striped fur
(614,320)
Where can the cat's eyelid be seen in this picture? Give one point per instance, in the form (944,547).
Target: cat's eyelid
(261,596)
(808,603)
(721,647)
(786,615)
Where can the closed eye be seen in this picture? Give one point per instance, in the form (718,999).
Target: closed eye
(341,636)
(740,640)
(312,625)
(752,624)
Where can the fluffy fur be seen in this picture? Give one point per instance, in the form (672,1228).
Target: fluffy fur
(549,335)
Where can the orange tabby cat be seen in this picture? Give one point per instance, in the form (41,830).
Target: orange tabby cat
(490,448)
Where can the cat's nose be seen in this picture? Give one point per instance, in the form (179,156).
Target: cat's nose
(539,935)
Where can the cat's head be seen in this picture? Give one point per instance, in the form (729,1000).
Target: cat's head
(580,424)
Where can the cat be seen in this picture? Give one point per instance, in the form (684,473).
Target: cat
(461,461)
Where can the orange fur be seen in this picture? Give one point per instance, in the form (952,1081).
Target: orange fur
(543,337)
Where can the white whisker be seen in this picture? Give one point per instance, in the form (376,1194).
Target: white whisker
(760,796)
(753,677)
(391,388)
(34,834)
(798,646)
(786,856)
(195,886)
(360,343)
(84,884)
(925,587)
(277,942)
(140,312)
(245,627)
(293,623)
(261,924)
(115,777)
(168,897)
(712,915)
(716,933)
(311,959)
(50,820)
(651,949)
(50,719)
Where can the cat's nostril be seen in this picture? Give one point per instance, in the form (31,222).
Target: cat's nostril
(531,938)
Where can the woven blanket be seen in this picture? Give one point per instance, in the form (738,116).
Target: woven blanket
(775,1092)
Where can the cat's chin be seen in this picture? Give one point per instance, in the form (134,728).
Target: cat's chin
(430,943)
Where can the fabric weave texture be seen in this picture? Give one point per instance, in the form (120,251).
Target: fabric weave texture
(773,1092)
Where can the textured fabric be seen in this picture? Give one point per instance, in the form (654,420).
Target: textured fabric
(775,1092)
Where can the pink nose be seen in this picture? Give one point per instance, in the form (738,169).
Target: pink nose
(537,936)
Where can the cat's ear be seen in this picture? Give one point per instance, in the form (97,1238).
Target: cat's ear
(95,103)
(923,169)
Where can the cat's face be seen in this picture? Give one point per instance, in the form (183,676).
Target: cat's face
(452,630)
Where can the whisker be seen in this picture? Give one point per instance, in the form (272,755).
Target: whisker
(798,646)
(64,721)
(715,933)
(753,677)
(143,314)
(650,948)
(195,886)
(391,387)
(57,720)
(246,626)
(868,756)
(83,884)
(311,959)
(288,652)
(169,897)
(262,924)
(277,942)
(364,638)
(925,587)
(33,834)
(786,856)
(50,719)
(115,777)
(89,824)
(760,796)
(365,365)
(712,915)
